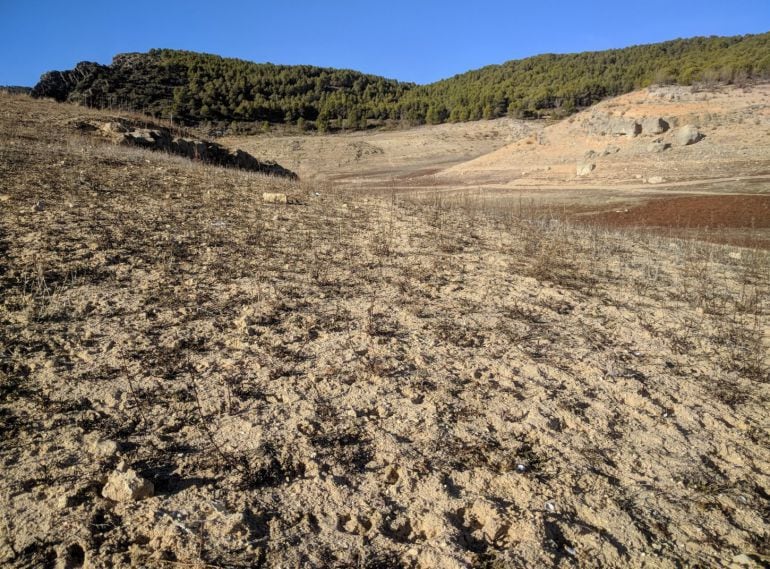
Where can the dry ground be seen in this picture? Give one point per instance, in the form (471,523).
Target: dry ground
(362,381)
(535,163)
(390,158)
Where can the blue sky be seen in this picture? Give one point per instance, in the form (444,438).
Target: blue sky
(420,41)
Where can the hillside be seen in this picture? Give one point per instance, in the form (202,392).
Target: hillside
(191,377)
(632,138)
(198,88)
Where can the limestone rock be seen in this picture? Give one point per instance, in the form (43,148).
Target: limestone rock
(127,486)
(585,168)
(657,147)
(688,134)
(654,125)
(604,124)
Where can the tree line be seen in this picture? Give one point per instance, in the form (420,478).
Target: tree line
(196,88)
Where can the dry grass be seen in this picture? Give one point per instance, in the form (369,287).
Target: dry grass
(363,381)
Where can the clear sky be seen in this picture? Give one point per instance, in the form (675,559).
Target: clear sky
(420,41)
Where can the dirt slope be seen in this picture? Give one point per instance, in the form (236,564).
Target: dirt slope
(357,381)
(735,123)
(384,156)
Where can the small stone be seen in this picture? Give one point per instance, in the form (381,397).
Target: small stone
(127,486)
(39,206)
(272,197)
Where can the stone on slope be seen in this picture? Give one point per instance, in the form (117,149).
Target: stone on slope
(654,125)
(585,168)
(687,135)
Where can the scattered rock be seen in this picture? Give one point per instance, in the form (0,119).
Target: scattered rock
(655,180)
(127,486)
(658,146)
(585,168)
(687,135)
(654,125)
(39,206)
(103,447)
(744,561)
(589,154)
(610,149)
(272,197)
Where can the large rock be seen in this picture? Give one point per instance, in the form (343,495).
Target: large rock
(687,135)
(615,125)
(654,125)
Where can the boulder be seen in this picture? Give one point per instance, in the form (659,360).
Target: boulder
(603,124)
(624,126)
(585,168)
(687,135)
(654,125)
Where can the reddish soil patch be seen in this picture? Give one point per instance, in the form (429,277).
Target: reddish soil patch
(736,219)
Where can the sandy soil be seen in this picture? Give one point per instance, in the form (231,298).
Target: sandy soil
(361,381)
(385,157)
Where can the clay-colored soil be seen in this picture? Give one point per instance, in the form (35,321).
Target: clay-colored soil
(389,158)
(190,377)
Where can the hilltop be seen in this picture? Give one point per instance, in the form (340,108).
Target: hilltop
(200,88)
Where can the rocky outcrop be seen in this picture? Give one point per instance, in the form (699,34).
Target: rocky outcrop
(165,140)
(59,85)
(687,135)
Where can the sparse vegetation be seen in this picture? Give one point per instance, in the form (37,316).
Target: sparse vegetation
(364,379)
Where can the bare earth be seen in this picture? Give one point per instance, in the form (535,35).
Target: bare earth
(402,370)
